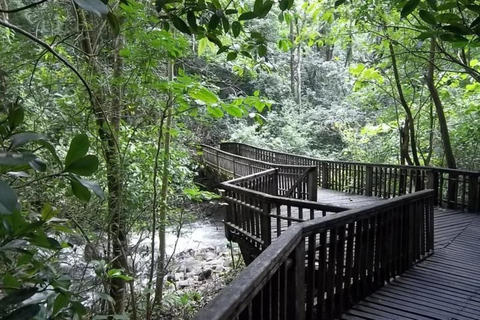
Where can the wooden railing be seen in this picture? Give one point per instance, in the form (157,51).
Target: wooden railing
(257,213)
(457,189)
(320,268)
(291,181)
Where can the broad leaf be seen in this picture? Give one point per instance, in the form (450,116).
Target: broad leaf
(248,16)
(262,50)
(22,138)
(60,302)
(80,191)
(8,198)
(94,6)
(204,95)
(16,297)
(409,7)
(231,56)
(236,28)
(16,158)
(215,112)
(85,166)
(427,17)
(38,165)
(234,111)
(92,186)
(78,148)
(181,25)
(26,312)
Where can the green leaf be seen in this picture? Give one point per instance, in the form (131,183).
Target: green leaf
(94,187)
(448,37)
(236,28)
(16,297)
(257,6)
(38,165)
(61,301)
(284,5)
(48,212)
(267,6)
(94,6)
(85,166)
(231,56)
(427,17)
(432,4)
(78,148)
(192,20)
(409,7)
(448,18)
(262,50)
(79,308)
(447,6)
(234,111)
(8,199)
(474,8)
(226,24)
(22,138)
(213,23)
(339,3)
(10,281)
(215,112)
(16,116)
(114,23)
(26,312)
(104,296)
(248,16)
(181,25)
(80,191)
(16,158)
(215,40)
(204,95)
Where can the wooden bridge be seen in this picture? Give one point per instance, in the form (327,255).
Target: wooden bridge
(331,239)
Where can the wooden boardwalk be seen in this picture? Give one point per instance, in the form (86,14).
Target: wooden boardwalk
(324,196)
(444,286)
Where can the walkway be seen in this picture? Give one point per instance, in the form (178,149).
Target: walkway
(445,286)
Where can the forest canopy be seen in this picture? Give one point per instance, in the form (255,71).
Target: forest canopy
(103,104)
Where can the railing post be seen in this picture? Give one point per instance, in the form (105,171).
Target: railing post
(473,200)
(266,225)
(234,171)
(296,284)
(452,190)
(312,185)
(432,183)
(325,177)
(368,180)
(275,182)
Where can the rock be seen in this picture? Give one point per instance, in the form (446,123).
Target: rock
(184,284)
(205,274)
(179,276)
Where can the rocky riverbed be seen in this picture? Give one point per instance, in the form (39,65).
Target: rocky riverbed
(200,259)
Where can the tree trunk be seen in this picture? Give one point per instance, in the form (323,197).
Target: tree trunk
(164,193)
(108,124)
(405,106)
(4,6)
(451,163)
(292,60)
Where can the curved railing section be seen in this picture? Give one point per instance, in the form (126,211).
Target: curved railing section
(457,189)
(320,268)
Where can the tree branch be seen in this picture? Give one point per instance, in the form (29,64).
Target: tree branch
(48,48)
(28,6)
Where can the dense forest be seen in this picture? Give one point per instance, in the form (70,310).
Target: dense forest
(104,104)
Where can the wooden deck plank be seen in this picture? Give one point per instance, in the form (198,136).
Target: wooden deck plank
(444,286)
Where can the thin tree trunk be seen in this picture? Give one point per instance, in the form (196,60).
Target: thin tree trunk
(298,92)
(405,106)
(108,129)
(4,6)
(451,163)
(292,60)
(164,193)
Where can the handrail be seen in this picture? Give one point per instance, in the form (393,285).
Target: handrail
(439,169)
(343,257)
(454,188)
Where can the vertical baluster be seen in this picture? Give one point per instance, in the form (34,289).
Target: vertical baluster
(340,264)
(321,279)
(310,276)
(332,257)
(347,296)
